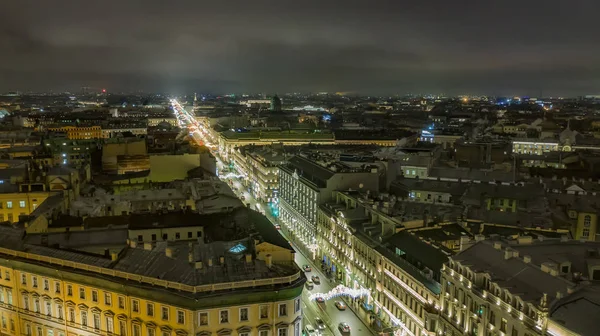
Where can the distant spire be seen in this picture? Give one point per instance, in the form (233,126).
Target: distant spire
(195,97)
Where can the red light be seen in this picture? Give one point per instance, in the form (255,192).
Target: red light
(103,90)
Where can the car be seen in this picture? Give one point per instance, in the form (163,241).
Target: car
(277,227)
(320,324)
(320,299)
(344,328)
(340,305)
(316,279)
(306,268)
(310,284)
(310,330)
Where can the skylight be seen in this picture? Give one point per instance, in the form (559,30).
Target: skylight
(239,248)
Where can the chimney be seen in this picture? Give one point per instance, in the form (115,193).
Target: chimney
(509,253)
(198,265)
(269,260)
(210,262)
(570,289)
(498,245)
(148,246)
(114,256)
(559,295)
(249,258)
(527,259)
(222,260)
(169,252)
(132,244)
(550,268)
(190,257)
(524,240)
(564,238)
(479,237)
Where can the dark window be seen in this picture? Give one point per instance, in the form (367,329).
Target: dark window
(165,236)
(177,235)
(153,237)
(199,234)
(140,238)
(189,235)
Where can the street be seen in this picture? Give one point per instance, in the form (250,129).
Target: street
(327,310)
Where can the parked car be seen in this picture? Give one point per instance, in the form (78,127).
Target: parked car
(277,227)
(306,268)
(344,328)
(320,324)
(310,330)
(340,305)
(320,299)
(310,284)
(316,279)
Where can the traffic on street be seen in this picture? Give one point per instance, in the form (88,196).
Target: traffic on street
(320,317)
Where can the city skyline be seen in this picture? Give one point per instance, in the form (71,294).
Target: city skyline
(389,48)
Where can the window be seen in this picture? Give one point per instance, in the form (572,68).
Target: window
(503,323)
(46,284)
(95,295)
(36,305)
(6,275)
(70,290)
(203,318)
(25,302)
(9,205)
(48,308)
(82,293)
(109,325)
(122,328)
(28,329)
(165,313)
(150,309)
(180,317)
(587,221)
(72,315)
(296,305)
(107,299)
(140,238)
(135,306)
(189,235)
(151,332)
(96,321)
(56,287)
(34,282)
(199,234)
(264,312)
(153,237)
(224,316)
(243,314)
(136,330)
(9,297)
(23,279)
(282,309)
(40,331)
(515,331)
(121,302)
(282,332)
(4,324)
(21,204)
(166,333)
(84,321)
(177,235)
(263,333)
(585,233)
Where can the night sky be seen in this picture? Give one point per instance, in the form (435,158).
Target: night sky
(507,47)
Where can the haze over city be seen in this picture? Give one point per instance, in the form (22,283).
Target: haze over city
(382,47)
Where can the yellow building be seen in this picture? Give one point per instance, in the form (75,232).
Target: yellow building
(248,286)
(585,224)
(15,204)
(79,133)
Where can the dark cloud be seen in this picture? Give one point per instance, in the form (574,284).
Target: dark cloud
(483,47)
